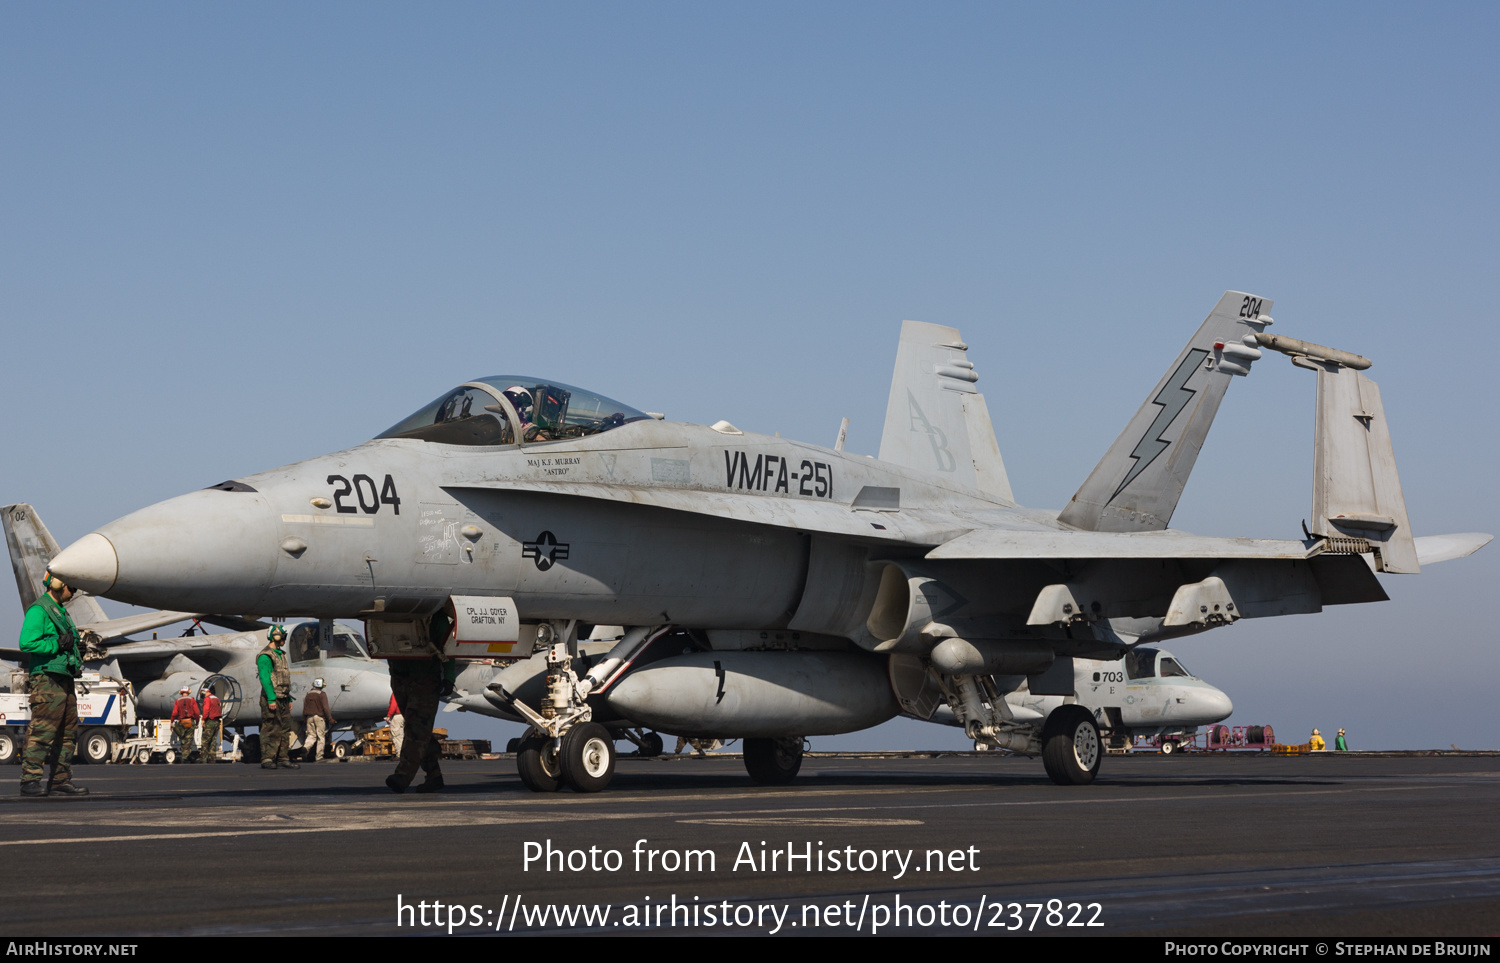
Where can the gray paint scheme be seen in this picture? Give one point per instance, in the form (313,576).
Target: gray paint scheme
(358,687)
(644,523)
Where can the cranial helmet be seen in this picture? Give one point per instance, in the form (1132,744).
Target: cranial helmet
(276,634)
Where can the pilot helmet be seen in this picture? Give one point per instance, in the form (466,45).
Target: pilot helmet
(521,398)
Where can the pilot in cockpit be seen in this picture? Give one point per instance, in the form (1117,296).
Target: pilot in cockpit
(526,411)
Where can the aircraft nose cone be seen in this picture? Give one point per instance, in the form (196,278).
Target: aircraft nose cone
(207,551)
(1217,706)
(89,564)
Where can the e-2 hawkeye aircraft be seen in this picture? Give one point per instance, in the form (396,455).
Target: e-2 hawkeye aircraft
(772,589)
(358,687)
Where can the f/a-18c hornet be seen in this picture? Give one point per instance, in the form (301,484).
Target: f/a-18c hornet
(769,589)
(359,688)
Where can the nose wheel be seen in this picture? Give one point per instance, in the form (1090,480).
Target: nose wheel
(584,759)
(587,757)
(537,763)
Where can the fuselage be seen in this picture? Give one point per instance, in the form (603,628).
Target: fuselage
(618,528)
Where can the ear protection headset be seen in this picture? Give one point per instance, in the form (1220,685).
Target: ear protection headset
(51,582)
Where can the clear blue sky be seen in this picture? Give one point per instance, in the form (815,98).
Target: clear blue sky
(237,235)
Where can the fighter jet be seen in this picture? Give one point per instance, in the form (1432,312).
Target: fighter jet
(771,589)
(358,687)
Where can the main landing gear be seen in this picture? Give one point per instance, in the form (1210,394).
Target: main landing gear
(564,746)
(773,762)
(1071,747)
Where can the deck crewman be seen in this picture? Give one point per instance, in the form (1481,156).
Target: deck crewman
(275,702)
(49,640)
(184,720)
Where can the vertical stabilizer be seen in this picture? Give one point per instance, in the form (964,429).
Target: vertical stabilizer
(936,420)
(31,550)
(1356,490)
(1137,485)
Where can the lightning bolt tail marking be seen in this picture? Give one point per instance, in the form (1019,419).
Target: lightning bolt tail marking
(1173,398)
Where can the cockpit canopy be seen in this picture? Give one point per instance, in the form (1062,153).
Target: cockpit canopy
(1144,664)
(494,410)
(308,643)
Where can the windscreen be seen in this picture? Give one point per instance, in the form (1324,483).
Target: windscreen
(547,411)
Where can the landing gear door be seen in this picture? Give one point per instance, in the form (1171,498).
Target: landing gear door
(484,627)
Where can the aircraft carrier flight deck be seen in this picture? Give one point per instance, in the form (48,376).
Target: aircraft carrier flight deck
(1198,846)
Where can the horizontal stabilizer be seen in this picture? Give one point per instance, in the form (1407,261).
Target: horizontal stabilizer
(1137,485)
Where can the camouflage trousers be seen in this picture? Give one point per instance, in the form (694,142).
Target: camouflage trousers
(417,698)
(213,734)
(53,732)
(184,733)
(275,730)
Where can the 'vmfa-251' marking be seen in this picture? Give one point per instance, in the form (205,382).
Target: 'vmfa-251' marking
(708,583)
(774,473)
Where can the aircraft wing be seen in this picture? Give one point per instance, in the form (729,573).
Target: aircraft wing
(989,543)
(134,651)
(1443,548)
(823,517)
(111,629)
(234,623)
(159,648)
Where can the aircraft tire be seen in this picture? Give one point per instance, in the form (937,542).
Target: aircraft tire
(651,745)
(587,757)
(1071,748)
(538,772)
(250,749)
(773,762)
(96,746)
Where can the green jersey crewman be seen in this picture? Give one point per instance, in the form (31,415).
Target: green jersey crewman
(275,702)
(49,640)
